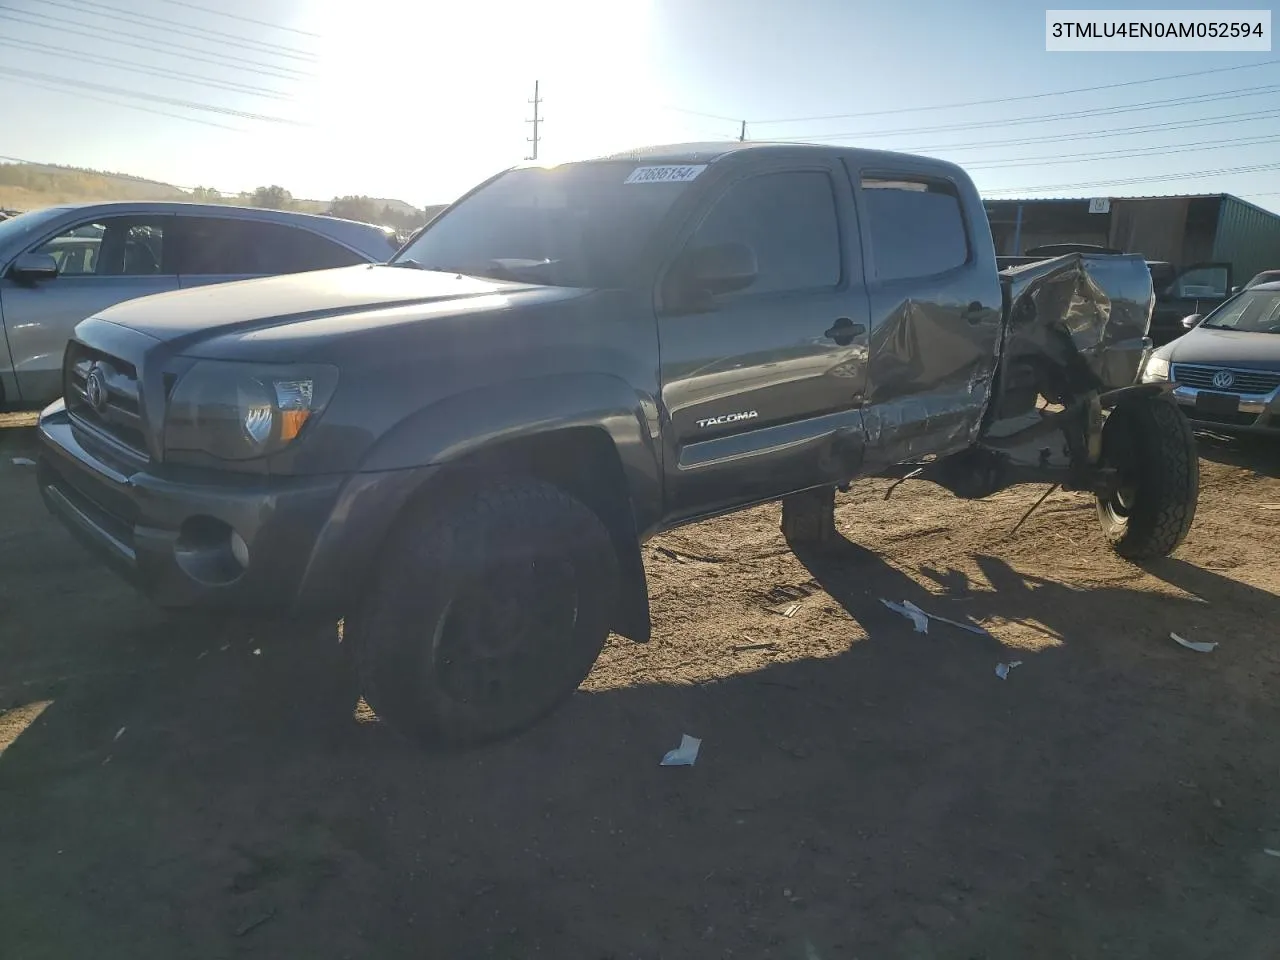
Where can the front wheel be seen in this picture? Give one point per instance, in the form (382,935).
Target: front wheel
(487,614)
(1150,444)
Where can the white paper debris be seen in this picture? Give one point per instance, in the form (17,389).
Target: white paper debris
(257,651)
(1199,646)
(921,619)
(23,462)
(1002,669)
(911,612)
(119,734)
(685,755)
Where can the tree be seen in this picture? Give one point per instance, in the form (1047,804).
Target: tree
(272,198)
(354,208)
(206,195)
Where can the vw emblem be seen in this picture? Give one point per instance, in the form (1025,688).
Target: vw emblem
(95,388)
(1223,379)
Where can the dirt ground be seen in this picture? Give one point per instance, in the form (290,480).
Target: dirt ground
(175,789)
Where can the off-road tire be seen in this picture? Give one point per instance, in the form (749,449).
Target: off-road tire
(463,572)
(809,518)
(1151,442)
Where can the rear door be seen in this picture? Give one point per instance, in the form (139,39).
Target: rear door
(223,249)
(1199,288)
(935,312)
(102,262)
(761,389)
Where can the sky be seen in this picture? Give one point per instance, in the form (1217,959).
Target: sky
(418,101)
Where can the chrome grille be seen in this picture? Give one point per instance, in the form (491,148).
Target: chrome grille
(1243,381)
(119,414)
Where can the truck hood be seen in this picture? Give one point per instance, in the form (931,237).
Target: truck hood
(1229,348)
(301,296)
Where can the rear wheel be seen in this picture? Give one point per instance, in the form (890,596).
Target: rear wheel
(1150,444)
(487,614)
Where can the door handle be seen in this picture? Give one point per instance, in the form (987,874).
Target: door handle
(973,312)
(844,330)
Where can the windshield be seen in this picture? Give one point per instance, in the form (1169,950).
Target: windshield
(25,225)
(1254,311)
(579,225)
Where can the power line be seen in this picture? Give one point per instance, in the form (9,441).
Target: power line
(1192,175)
(129,106)
(174,26)
(103,60)
(280,72)
(233,16)
(1043,118)
(1020,97)
(1100,134)
(1123,154)
(155,98)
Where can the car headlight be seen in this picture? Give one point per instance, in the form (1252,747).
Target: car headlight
(1156,370)
(241,411)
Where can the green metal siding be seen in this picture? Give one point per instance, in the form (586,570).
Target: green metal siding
(1247,237)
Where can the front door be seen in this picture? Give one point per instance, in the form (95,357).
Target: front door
(761,387)
(100,263)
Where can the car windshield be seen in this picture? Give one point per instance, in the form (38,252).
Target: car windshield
(24,225)
(579,225)
(1254,311)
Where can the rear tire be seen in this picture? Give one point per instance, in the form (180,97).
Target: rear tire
(1150,442)
(486,614)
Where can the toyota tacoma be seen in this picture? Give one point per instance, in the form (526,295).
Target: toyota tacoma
(460,452)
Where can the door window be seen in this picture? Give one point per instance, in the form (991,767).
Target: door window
(114,246)
(789,220)
(1207,282)
(217,246)
(917,228)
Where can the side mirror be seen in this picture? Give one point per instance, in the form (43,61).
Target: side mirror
(31,267)
(1190,322)
(722,268)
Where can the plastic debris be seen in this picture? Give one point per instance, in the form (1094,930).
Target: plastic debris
(685,755)
(921,619)
(1199,646)
(257,652)
(23,462)
(911,612)
(119,734)
(1002,669)
(1271,853)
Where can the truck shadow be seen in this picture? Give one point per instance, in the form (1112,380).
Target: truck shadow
(201,799)
(1259,455)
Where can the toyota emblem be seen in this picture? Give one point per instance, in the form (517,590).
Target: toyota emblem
(95,388)
(1223,379)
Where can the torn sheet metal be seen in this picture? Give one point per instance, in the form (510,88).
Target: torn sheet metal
(1079,321)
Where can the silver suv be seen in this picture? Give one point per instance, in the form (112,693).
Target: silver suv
(62,264)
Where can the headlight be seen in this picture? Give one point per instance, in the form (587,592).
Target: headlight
(1156,370)
(241,411)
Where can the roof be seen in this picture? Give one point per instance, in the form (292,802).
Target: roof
(711,152)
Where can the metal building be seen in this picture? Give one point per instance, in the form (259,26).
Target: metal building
(1181,230)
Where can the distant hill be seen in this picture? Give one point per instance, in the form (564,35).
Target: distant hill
(29,186)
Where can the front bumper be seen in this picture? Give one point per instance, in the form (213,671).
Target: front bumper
(1256,413)
(309,540)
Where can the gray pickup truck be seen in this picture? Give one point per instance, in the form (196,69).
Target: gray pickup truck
(460,453)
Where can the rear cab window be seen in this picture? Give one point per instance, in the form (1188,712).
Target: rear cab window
(916,226)
(217,246)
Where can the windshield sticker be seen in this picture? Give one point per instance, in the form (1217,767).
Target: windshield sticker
(665,174)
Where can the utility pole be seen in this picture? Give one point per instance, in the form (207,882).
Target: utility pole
(536,101)
(743,135)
